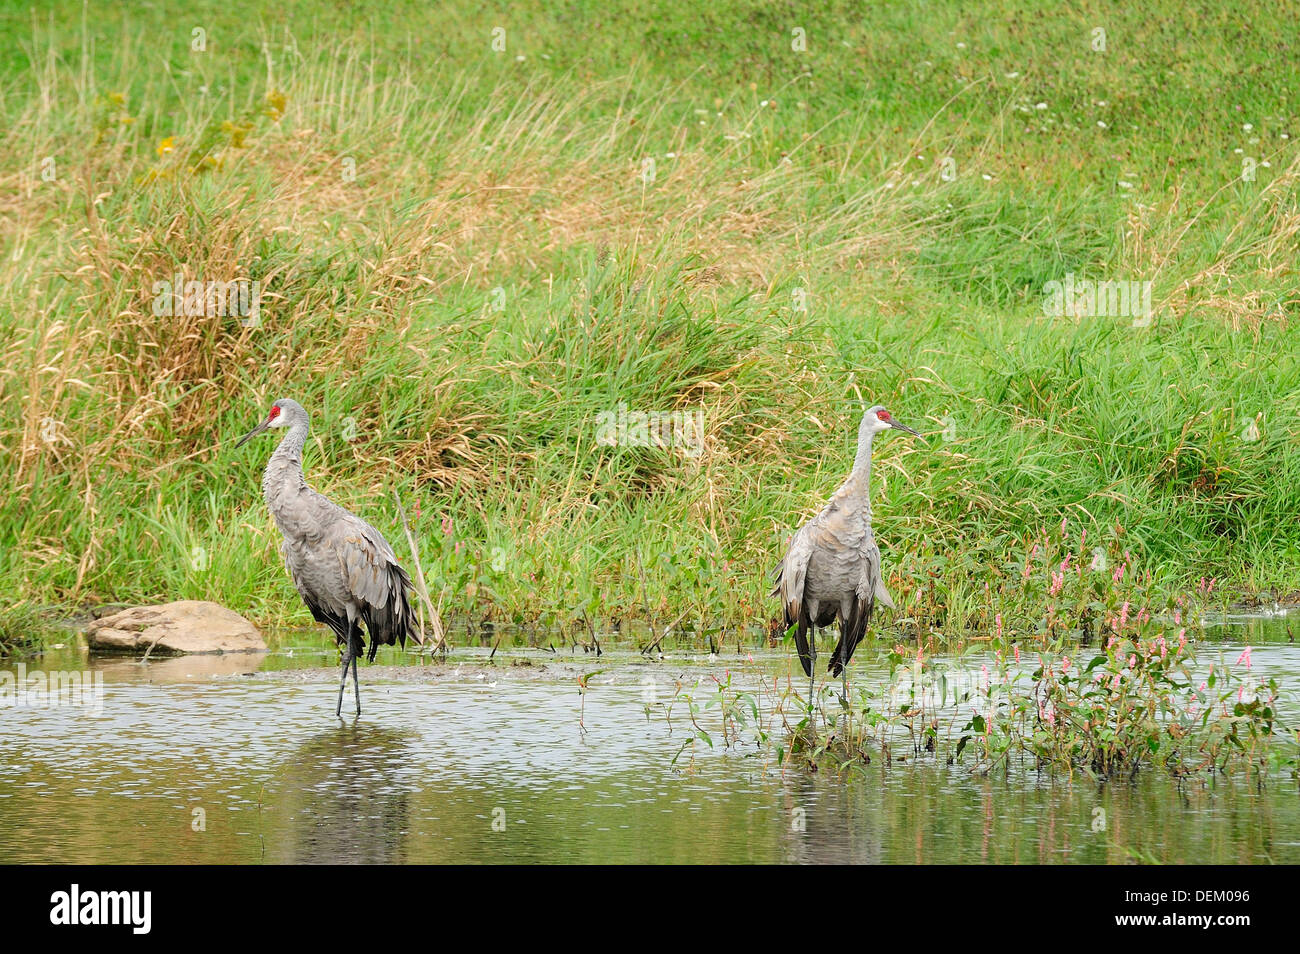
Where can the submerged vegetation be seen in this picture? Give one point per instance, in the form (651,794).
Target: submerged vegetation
(1144,701)
(468,259)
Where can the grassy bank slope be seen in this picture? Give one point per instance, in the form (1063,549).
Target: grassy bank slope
(469,255)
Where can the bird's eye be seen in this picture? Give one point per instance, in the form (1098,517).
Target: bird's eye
(275,411)
(883,415)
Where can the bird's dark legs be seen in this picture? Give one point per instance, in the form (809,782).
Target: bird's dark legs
(349,659)
(848,706)
(356,686)
(812,670)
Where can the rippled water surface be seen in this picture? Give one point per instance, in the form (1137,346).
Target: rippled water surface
(240,759)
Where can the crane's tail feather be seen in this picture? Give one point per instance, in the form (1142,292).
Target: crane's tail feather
(801,643)
(322,615)
(852,631)
(393,621)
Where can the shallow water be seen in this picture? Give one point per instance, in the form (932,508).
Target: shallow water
(240,759)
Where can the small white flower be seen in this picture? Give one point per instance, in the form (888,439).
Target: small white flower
(1101,124)
(1012,75)
(1040,105)
(987,177)
(1246,127)
(519,58)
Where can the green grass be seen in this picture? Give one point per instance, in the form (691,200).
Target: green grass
(504,268)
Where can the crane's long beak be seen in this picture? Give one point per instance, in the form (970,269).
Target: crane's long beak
(253,433)
(904,427)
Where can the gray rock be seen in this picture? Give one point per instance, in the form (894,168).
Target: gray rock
(187,626)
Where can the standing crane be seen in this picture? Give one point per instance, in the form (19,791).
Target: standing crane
(342,567)
(831,571)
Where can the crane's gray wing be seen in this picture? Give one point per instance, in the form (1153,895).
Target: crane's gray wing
(311,580)
(866,591)
(377,582)
(791,575)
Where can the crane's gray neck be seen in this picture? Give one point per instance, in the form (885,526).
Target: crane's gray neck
(283,480)
(290,449)
(860,478)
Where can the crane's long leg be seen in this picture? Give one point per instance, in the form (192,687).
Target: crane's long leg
(848,706)
(356,686)
(812,670)
(348,657)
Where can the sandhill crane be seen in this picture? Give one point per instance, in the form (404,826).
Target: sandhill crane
(831,570)
(342,567)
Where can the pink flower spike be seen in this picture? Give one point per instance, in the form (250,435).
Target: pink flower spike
(1244,657)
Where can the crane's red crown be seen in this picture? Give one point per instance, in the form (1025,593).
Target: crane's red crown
(275,412)
(883,415)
